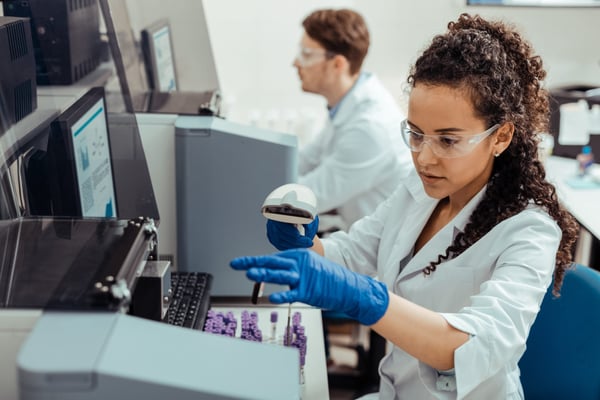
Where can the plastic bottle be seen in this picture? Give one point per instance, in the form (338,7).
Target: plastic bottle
(585,159)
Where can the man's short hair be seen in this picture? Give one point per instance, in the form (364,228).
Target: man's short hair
(340,31)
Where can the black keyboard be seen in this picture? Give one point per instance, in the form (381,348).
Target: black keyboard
(190,300)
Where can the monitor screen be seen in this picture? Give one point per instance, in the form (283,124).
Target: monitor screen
(74,176)
(75,169)
(158,56)
(93,169)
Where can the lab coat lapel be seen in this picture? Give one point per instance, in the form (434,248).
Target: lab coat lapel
(441,240)
(332,128)
(327,136)
(412,225)
(343,114)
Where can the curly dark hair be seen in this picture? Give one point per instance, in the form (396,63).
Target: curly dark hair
(498,70)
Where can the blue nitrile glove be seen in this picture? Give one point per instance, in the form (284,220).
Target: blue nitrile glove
(316,281)
(286,236)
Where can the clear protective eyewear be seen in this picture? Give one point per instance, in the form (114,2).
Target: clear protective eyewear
(308,56)
(445,146)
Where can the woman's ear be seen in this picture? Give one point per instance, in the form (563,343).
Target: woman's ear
(503,137)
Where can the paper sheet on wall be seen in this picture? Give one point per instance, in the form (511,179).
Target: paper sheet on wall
(574,124)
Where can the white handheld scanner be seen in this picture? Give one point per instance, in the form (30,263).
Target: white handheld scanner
(291,203)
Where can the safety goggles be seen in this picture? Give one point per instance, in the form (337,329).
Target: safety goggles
(445,146)
(308,56)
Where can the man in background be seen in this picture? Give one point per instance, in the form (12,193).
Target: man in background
(358,159)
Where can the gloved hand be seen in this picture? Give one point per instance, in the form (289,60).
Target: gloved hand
(286,236)
(316,281)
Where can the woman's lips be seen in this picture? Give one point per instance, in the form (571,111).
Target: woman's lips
(429,178)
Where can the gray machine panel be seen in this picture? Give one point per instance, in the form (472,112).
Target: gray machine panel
(224,172)
(93,356)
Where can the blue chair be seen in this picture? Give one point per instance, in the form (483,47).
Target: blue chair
(562,360)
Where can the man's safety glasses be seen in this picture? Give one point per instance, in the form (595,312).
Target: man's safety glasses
(308,56)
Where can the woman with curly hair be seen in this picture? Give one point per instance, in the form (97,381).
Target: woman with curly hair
(465,250)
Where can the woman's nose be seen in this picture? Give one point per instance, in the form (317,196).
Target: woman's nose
(426,155)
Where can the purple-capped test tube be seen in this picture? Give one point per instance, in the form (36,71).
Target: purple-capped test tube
(250,329)
(220,323)
(274,317)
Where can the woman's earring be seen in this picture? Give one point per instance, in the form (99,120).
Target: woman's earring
(496,155)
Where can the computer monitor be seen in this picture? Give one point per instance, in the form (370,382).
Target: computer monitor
(137,96)
(87,130)
(77,164)
(157,47)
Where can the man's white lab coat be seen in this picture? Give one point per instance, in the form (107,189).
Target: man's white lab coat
(359,158)
(492,291)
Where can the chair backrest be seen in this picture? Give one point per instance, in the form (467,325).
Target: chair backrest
(562,359)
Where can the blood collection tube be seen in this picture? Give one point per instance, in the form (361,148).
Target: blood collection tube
(274,316)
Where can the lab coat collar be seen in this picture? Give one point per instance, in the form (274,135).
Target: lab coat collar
(441,240)
(412,225)
(362,89)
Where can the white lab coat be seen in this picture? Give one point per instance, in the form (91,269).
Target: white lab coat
(359,159)
(492,291)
